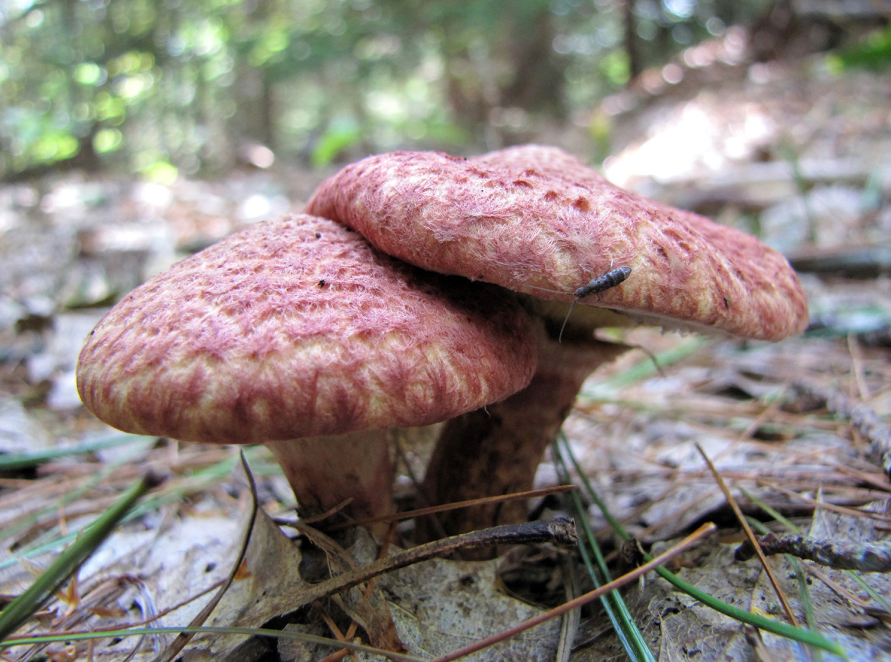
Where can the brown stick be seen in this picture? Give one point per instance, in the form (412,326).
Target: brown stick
(560,531)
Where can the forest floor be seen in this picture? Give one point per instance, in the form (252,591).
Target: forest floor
(788,151)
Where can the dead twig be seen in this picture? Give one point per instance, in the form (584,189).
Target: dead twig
(368,607)
(862,417)
(864,556)
(421,512)
(560,531)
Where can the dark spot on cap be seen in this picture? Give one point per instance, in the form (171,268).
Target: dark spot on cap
(582,204)
(322,283)
(318,235)
(726,302)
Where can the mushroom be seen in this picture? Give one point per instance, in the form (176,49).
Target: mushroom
(537,221)
(298,334)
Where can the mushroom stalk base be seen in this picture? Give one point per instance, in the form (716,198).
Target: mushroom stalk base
(325,471)
(496,450)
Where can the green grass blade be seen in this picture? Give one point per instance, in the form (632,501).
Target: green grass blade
(620,617)
(11,461)
(172,493)
(875,595)
(804,593)
(602,389)
(21,609)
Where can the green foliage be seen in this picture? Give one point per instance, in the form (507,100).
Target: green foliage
(339,136)
(873,54)
(138,83)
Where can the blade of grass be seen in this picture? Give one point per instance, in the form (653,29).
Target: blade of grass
(13,461)
(602,389)
(566,607)
(750,535)
(172,493)
(56,507)
(21,609)
(623,623)
(569,624)
(102,474)
(804,593)
(756,620)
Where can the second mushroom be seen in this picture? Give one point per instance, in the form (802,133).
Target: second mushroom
(537,221)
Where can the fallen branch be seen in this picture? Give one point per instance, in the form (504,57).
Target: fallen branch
(865,557)
(861,417)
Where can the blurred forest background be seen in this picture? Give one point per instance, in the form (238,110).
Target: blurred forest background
(197,87)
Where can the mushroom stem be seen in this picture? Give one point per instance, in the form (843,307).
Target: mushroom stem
(325,471)
(496,450)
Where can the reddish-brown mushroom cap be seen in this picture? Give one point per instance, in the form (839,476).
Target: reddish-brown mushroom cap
(296,328)
(543,160)
(535,217)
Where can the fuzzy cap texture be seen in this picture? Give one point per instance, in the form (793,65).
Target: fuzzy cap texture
(534,219)
(296,327)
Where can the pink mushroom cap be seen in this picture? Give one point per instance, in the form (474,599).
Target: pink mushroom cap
(297,327)
(536,220)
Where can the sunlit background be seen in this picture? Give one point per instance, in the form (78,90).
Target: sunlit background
(199,86)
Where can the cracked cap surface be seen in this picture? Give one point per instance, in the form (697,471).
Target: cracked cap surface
(296,327)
